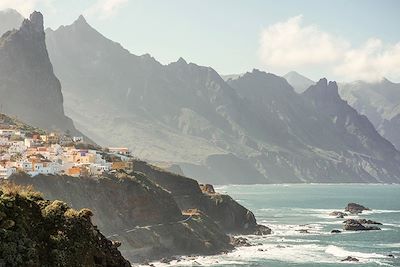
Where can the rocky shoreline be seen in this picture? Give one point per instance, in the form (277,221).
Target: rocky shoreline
(154,214)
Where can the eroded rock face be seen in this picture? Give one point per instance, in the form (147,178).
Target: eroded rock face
(28,87)
(355,208)
(39,232)
(134,211)
(188,194)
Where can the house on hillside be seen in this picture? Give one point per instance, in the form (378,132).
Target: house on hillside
(120,150)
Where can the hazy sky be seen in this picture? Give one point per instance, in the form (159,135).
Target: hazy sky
(341,39)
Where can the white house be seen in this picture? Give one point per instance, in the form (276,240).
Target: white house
(7,172)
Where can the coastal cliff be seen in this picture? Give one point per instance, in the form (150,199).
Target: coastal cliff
(39,232)
(135,211)
(188,194)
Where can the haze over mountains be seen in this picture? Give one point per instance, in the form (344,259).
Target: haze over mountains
(380,102)
(28,87)
(299,82)
(10,19)
(250,129)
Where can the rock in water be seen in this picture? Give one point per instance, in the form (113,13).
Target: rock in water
(355,208)
(338,214)
(350,258)
(355,225)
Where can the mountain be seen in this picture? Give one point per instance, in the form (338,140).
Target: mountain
(358,133)
(252,129)
(380,102)
(299,82)
(10,19)
(29,89)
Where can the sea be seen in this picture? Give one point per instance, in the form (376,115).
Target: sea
(289,208)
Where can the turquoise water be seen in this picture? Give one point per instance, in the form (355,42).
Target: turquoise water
(287,208)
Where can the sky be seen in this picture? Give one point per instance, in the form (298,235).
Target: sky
(342,40)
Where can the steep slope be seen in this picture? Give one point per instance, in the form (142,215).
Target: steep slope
(356,131)
(188,194)
(28,86)
(39,232)
(10,19)
(136,212)
(253,129)
(299,82)
(379,101)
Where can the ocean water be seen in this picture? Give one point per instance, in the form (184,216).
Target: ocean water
(289,208)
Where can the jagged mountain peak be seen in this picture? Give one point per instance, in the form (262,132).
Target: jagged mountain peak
(323,90)
(33,93)
(261,80)
(36,20)
(181,61)
(81,19)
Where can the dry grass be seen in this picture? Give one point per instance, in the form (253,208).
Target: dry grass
(12,189)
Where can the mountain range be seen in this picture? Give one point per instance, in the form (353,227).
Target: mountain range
(252,128)
(380,102)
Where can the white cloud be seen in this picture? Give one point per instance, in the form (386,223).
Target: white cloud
(371,62)
(104,9)
(290,45)
(25,7)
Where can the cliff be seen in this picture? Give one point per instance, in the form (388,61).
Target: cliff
(138,213)
(39,232)
(29,89)
(188,194)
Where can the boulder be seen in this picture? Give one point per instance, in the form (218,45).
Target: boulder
(240,242)
(335,231)
(350,258)
(338,214)
(355,225)
(262,230)
(355,208)
(207,188)
(365,221)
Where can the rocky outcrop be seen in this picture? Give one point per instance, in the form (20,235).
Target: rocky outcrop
(355,225)
(355,208)
(188,194)
(338,214)
(29,89)
(350,258)
(39,232)
(362,221)
(136,212)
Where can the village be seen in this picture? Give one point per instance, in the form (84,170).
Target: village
(37,152)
